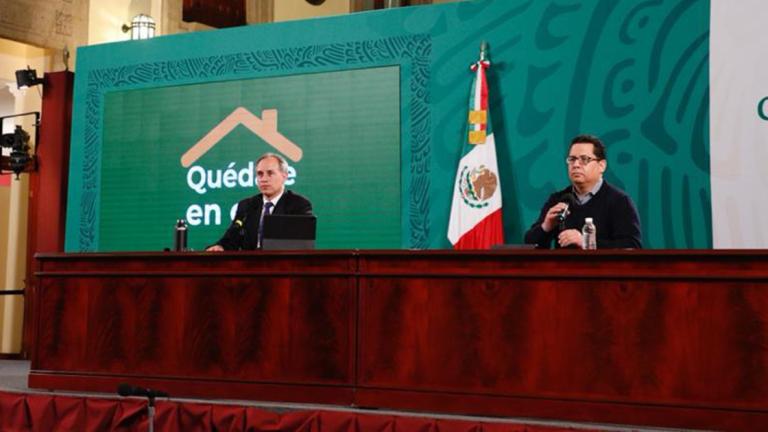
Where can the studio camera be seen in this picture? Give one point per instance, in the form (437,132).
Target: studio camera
(19,159)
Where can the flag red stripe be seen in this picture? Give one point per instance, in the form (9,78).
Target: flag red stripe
(486,233)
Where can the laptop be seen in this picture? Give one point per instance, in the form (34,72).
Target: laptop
(283,232)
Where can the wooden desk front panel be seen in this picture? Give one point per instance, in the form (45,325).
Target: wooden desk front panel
(249,324)
(666,338)
(274,329)
(520,334)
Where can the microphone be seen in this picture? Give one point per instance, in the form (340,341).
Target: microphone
(124,389)
(236,230)
(568,199)
(240,223)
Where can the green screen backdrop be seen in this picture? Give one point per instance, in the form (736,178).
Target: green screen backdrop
(346,123)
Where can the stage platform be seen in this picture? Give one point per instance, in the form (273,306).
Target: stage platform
(14,375)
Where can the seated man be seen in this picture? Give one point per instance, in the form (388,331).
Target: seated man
(612,210)
(245,231)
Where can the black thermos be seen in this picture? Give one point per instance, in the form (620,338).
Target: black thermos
(180,236)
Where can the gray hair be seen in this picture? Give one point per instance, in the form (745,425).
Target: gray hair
(280,160)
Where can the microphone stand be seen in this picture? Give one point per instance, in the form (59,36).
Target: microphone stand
(128,390)
(151,413)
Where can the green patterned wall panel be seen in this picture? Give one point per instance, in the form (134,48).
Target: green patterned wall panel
(633,72)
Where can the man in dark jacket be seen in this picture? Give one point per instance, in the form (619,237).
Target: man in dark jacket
(244,233)
(612,210)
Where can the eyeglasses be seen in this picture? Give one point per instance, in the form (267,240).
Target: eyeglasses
(585,160)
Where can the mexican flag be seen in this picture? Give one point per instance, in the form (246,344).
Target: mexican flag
(476,210)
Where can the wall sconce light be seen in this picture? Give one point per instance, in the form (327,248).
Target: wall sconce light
(142,27)
(27,78)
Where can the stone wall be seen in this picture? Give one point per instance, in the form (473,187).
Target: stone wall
(53,24)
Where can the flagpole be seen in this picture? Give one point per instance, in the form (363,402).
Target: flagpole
(475,220)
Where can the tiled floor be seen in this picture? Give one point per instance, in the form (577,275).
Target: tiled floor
(13,375)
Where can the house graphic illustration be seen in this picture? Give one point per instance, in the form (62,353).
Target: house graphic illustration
(265,127)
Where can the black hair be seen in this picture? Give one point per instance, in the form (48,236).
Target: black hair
(590,139)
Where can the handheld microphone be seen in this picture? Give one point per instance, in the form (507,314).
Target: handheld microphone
(124,389)
(568,199)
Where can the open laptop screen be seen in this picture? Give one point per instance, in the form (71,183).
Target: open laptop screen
(289,232)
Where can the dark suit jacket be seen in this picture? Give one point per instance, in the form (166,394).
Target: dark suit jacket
(245,237)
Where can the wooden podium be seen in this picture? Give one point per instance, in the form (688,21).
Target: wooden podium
(665,338)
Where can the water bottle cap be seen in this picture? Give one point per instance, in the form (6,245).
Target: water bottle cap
(587,220)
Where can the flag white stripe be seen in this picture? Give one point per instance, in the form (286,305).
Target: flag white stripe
(463,217)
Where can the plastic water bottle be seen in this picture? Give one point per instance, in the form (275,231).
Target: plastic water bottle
(589,234)
(180,236)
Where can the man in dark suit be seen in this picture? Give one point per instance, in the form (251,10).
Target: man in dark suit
(245,231)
